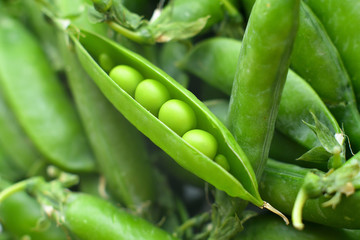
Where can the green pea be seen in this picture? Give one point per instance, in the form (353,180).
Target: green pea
(151,94)
(222,161)
(178,116)
(126,77)
(105,62)
(202,141)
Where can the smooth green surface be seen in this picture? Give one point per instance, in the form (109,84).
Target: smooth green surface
(271,227)
(105,62)
(89,217)
(239,182)
(126,77)
(316,59)
(178,116)
(39,101)
(202,141)
(15,142)
(151,94)
(260,77)
(340,20)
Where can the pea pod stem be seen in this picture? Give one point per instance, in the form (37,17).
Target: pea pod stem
(18,187)
(296,215)
(130,34)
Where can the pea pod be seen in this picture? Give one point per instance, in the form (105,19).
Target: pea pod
(239,182)
(8,171)
(316,59)
(214,61)
(16,143)
(39,101)
(109,223)
(260,78)
(289,178)
(75,211)
(339,20)
(269,227)
(120,149)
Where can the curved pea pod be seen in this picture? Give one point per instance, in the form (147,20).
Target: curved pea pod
(280,185)
(22,217)
(260,77)
(339,20)
(214,61)
(120,149)
(266,226)
(316,59)
(8,171)
(16,143)
(39,102)
(109,223)
(239,182)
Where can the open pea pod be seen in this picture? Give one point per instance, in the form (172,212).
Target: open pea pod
(239,182)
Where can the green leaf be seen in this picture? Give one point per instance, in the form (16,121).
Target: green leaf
(327,139)
(167,31)
(124,17)
(317,155)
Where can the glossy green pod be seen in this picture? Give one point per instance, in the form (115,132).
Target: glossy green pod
(214,61)
(316,59)
(340,20)
(15,142)
(240,182)
(39,101)
(8,171)
(261,73)
(280,185)
(266,226)
(109,223)
(120,149)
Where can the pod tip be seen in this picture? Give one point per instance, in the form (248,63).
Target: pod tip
(274,210)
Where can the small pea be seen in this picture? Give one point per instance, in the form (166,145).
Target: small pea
(105,62)
(222,161)
(202,141)
(126,77)
(151,94)
(178,116)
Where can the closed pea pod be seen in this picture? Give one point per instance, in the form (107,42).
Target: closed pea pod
(239,182)
(260,78)
(39,101)
(268,227)
(83,215)
(16,143)
(339,19)
(316,59)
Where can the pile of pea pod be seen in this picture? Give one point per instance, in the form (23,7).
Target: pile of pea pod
(179,119)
